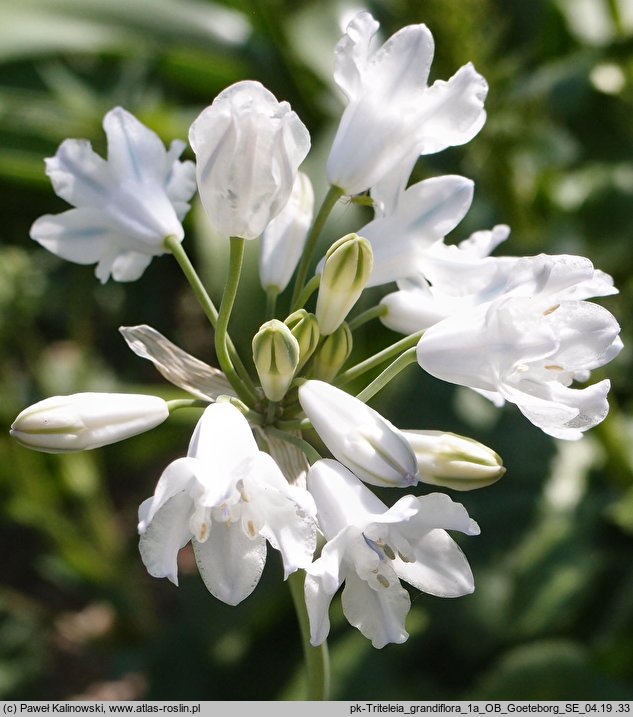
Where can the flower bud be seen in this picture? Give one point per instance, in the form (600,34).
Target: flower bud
(248,148)
(305,328)
(348,264)
(82,421)
(284,238)
(333,353)
(452,461)
(359,437)
(276,357)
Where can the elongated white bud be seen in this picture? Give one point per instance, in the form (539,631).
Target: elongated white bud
(359,437)
(83,421)
(452,461)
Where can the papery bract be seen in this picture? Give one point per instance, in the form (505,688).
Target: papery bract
(228,498)
(126,206)
(248,148)
(82,421)
(371,547)
(358,436)
(392,116)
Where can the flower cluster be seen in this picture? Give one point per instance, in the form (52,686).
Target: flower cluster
(282,454)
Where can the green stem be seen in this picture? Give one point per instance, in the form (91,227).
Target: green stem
(332,196)
(271,302)
(308,290)
(394,368)
(310,452)
(185,403)
(297,424)
(176,248)
(316,658)
(205,301)
(244,391)
(374,313)
(355,371)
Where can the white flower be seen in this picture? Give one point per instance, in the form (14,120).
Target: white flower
(371,547)
(82,421)
(126,206)
(358,436)
(248,148)
(228,498)
(283,239)
(528,350)
(456,279)
(392,115)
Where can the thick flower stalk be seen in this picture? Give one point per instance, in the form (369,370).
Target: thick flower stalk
(248,149)
(371,548)
(392,116)
(228,498)
(126,206)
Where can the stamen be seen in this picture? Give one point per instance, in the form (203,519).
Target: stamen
(382,580)
(389,552)
(251,529)
(554,367)
(551,310)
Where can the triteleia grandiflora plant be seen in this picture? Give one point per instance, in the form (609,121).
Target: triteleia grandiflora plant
(282,454)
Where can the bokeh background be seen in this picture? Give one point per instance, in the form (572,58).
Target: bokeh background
(552,615)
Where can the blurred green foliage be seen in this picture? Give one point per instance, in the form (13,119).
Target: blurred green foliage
(552,615)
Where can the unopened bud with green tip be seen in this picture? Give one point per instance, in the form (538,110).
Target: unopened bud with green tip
(305,328)
(346,269)
(333,353)
(276,356)
(81,421)
(452,461)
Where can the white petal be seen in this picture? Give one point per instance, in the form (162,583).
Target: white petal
(133,149)
(318,601)
(440,567)
(341,498)
(287,513)
(176,365)
(352,54)
(130,265)
(165,535)
(179,476)
(222,439)
(79,235)
(378,614)
(426,212)
(79,175)
(454,111)
(230,563)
